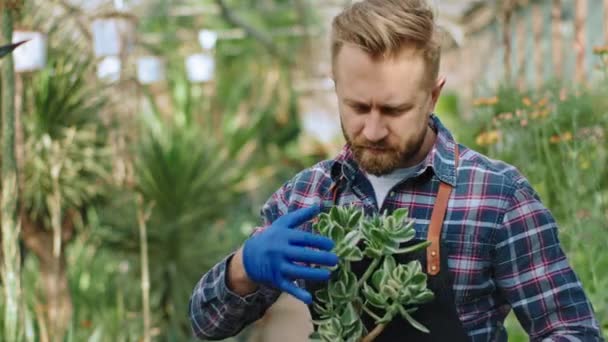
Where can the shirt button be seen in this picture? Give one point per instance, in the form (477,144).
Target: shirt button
(434,253)
(433,268)
(392,194)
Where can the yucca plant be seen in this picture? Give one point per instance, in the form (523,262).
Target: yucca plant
(393,289)
(66,166)
(6,49)
(195,178)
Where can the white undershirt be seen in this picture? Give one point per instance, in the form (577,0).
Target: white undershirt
(383,184)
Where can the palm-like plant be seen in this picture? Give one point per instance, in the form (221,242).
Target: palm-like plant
(65,166)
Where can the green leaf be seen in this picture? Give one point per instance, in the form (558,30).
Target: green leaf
(321,227)
(334,214)
(389,292)
(322,295)
(373,253)
(400,214)
(389,264)
(6,49)
(320,309)
(351,284)
(424,297)
(412,321)
(402,235)
(352,238)
(386,318)
(354,254)
(419,279)
(372,297)
(354,332)
(349,316)
(413,248)
(378,279)
(354,218)
(336,233)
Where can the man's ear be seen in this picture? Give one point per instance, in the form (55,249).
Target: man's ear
(436,92)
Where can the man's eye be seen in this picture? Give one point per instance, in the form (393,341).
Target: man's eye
(361,108)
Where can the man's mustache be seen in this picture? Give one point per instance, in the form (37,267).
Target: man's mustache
(376,146)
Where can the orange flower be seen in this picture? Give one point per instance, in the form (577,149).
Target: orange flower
(543,102)
(600,50)
(540,114)
(483,101)
(566,136)
(505,116)
(526,101)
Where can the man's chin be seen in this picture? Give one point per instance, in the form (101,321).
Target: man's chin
(376,168)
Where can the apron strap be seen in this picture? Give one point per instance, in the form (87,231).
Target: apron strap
(437,217)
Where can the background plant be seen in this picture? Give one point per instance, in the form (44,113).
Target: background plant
(563,131)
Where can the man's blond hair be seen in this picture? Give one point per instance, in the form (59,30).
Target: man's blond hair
(383,28)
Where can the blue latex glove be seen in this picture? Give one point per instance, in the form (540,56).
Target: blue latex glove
(270,256)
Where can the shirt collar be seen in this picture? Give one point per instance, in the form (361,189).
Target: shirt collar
(440,159)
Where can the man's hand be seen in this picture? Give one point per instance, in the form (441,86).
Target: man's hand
(271,256)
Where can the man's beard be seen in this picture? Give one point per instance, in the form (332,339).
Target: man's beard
(386,161)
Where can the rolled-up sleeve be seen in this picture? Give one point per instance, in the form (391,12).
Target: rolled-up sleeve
(215,311)
(533,272)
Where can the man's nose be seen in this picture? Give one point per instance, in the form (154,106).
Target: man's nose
(375,129)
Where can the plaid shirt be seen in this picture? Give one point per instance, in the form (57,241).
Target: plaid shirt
(502,246)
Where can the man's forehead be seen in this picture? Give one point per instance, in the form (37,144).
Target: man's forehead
(354,68)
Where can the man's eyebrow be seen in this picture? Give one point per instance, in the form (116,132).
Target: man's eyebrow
(356,102)
(390,106)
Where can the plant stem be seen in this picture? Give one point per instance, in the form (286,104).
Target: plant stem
(11,272)
(374,333)
(371,313)
(368,272)
(142,217)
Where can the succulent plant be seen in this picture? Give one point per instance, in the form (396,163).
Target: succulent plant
(391,288)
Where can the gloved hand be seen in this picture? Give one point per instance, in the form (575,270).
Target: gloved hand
(270,256)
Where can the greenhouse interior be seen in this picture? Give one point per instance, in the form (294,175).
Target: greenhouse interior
(149,148)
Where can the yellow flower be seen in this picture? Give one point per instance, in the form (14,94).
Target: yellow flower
(488,138)
(526,101)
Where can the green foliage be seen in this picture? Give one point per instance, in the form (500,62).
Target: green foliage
(558,138)
(65,140)
(6,49)
(394,289)
(204,162)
